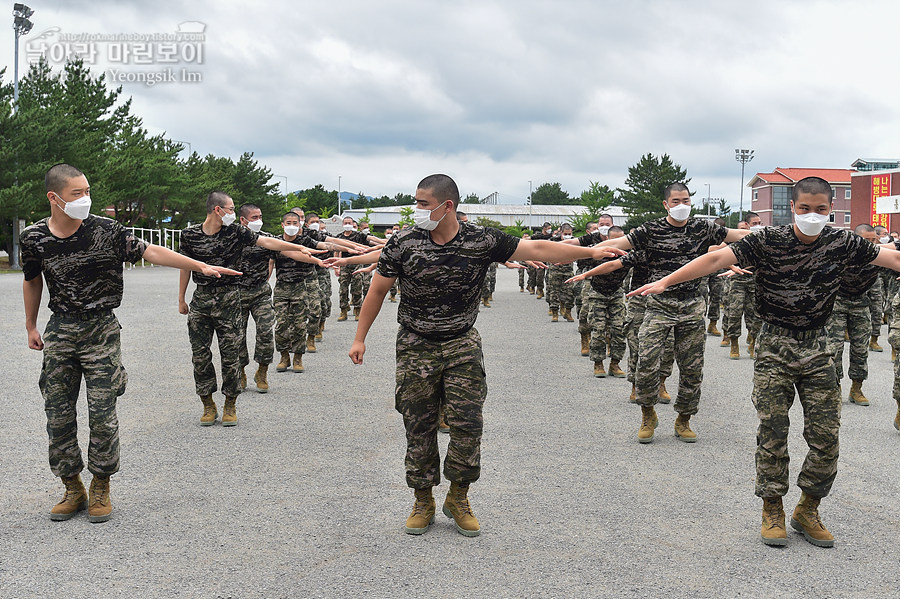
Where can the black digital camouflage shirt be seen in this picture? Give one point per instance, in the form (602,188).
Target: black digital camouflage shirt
(254,264)
(669,248)
(318,236)
(288,270)
(796,283)
(222,249)
(83,271)
(640,270)
(440,285)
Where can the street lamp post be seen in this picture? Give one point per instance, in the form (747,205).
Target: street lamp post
(742,156)
(185,143)
(21,25)
(339,212)
(708,200)
(530,209)
(285,183)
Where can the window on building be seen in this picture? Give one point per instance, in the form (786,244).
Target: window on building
(755,195)
(831,217)
(846,218)
(846,193)
(781,205)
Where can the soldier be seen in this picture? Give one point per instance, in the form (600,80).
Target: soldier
(894,340)
(605,305)
(546,232)
(490,280)
(559,295)
(296,299)
(350,287)
(741,302)
(852,316)
(579,290)
(798,272)
(441,265)
(80,256)
(216,304)
(256,300)
(716,286)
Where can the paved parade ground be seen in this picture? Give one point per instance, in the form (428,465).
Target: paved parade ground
(306,497)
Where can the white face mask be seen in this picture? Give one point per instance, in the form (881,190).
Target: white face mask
(423,219)
(681,212)
(77,209)
(885,239)
(567,237)
(255,225)
(388,234)
(604,230)
(313,226)
(228,218)
(301,223)
(811,224)
(291,230)
(757,228)
(348,227)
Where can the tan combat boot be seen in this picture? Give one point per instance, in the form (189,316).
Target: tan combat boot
(585,344)
(320,335)
(311,344)
(856,394)
(735,349)
(897,417)
(210,413)
(393,298)
(422,515)
(663,394)
(531,291)
(712,330)
(554,314)
(456,506)
(773,531)
(298,362)
(285,362)
(615,370)
(648,424)
(751,346)
(567,314)
(343,315)
(726,341)
(806,520)
(72,502)
(262,378)
(99,506)
(229,412)
(356,313)
(873,344)
(521,290)
(486,302)
(683,430)
(599,371)
(243,379)
(633,398)
(540,293)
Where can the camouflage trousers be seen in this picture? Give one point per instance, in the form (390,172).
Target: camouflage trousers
(325,294)
(684,318)
(490,281)
(889,285)
(606,316)
(257,302)
(536,278)
(851,316)
(216,310)
(894,340)
(297,314)
(559,293)
(741,302)
(786,361)
(427,373)
(365,280)
(716,286)
(634,318)
(876,303)
(350,287)
(84,344)
(521,278)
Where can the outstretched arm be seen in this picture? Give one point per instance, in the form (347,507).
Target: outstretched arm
(603,269)
(369,258)
(736,235)
(552,251)
(161,256)
(371,306)
(888,258)
(698,267)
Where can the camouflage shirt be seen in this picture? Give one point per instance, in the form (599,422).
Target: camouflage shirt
(440,285)
(254,263)
(640,270)
(796,283)
(288,270)
(610,283)
(669,248)
(222,249)
(83,271)
(318,236)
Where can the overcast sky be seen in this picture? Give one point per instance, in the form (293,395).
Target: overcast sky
(497,93)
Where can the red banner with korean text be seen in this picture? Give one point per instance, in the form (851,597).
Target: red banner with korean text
(881,187)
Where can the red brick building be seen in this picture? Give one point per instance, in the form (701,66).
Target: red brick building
(771,195)
(867,187)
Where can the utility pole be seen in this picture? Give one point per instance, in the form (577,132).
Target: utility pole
(742,156)
(22,25)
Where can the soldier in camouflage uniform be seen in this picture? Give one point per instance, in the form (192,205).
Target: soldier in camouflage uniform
(852,316)
(80,256)
(560,296)
(441,265)
(256,301)
(215,307)
(798,272)
(490,281)
(351,291)
(540,275)
(894,340)
(876,310)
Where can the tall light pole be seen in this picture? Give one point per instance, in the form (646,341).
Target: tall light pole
(285,183)
(339,212)
(743,156)
(708,213)
(530,209)
(184,143)
(21,25)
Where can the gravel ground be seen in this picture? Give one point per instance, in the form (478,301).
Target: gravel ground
(306,496)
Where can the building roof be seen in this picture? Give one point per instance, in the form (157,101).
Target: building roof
(789,176)
(865,161)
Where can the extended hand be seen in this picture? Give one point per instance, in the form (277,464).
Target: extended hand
(599,252)
(356,352)
(575,279)
(34,340)
(654,288)
(182,307)
(217,271)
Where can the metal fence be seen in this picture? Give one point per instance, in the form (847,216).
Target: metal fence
(167,238)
